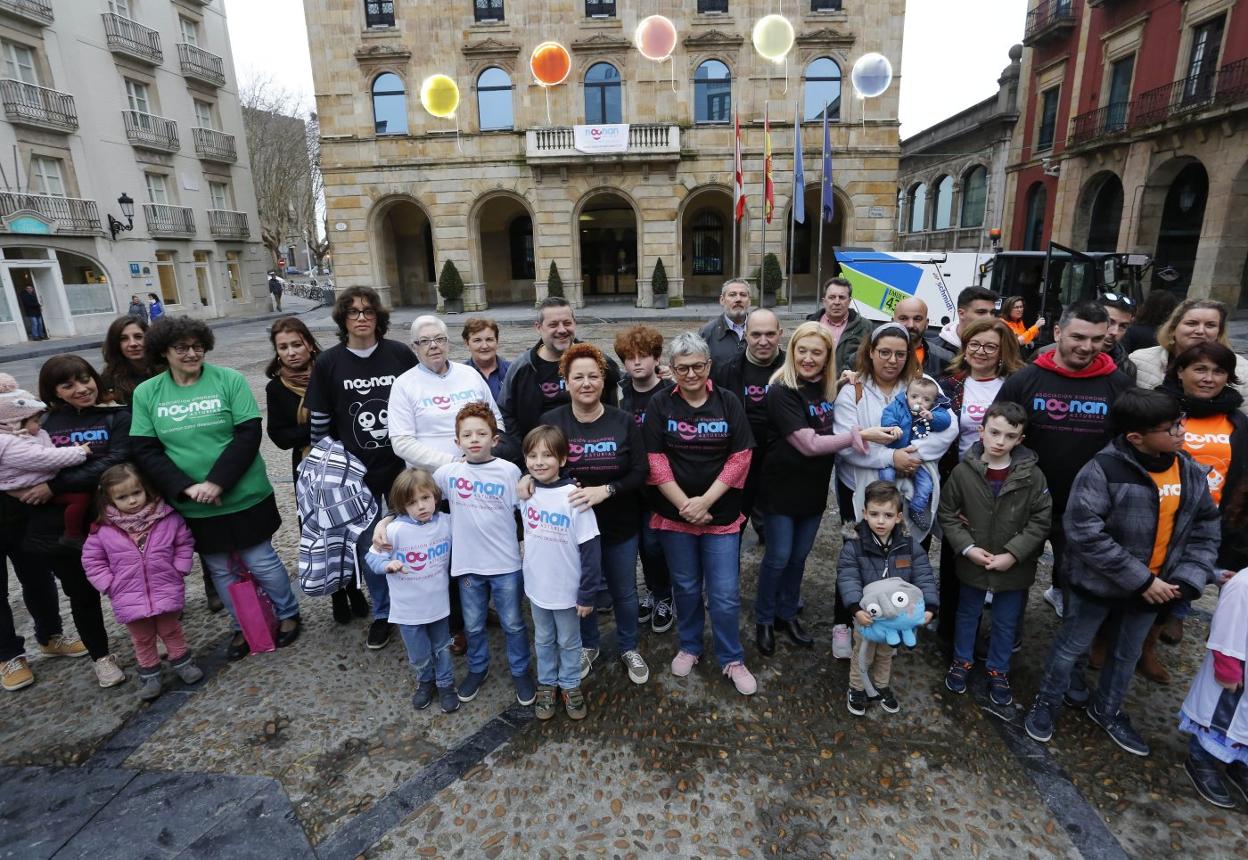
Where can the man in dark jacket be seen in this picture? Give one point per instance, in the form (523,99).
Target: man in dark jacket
(847,327)
(725,334)
(275,291)
(32,309)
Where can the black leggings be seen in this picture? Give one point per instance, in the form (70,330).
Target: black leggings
(39,595)
(84,603)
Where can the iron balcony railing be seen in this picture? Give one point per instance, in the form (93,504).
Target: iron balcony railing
(164,220)
(28,104)
(228,224)
(35,11)
(1102,122)
(487,10)
(379,13)
(132,39)
(201,65)
(71,215)
(148,131)
(1221,86)
(213,145)
(1049,17)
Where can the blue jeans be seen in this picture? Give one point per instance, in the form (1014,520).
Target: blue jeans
(267,569)
(475,591)
(789,540)
(1007,609)
(1080,621)
(921,481)
(37,328)
(557,644)
(653,563)
(378,587)
(709,561)
(619,569)
(429,650)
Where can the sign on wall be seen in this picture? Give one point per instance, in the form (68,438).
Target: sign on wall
(600,138)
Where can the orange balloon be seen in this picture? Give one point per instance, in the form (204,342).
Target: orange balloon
(550,64)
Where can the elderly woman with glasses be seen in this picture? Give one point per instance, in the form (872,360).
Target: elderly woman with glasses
(698,443)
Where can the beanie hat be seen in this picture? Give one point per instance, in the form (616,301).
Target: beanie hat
(17,405)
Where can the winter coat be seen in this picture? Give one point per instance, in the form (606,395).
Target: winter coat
(857,329)
(1016,520)
(140,583)
(723,341)
(863,561)
(1111,524)
(1151,365)
(897,414)
(29,460)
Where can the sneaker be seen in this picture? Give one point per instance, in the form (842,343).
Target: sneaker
(842,642)
(856,702)
(664,617)
(149,684)
(955,678)
(63,646)
(999,689)
(424,695)
(546,701)
(448,699)
(107,672)
(741,678)
(574,704)
(1209,784)
(638,671)
(472,683)
(683,663)
(645,609)
(887,700)
(588,656)
(526,692)
(920,518)
(187,671)
(16,674)
(1119,729)
(1039,722)
(1053,597)
(379,634)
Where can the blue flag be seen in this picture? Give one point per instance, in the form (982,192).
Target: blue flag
(827,170)
(799,173)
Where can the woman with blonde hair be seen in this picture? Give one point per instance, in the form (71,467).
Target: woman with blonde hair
(1193,321)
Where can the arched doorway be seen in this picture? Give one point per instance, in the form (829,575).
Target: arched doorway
(1182,217)
(806,267)
(706,231)
(607,233)
(506,260)
(404,254)
(1100,211)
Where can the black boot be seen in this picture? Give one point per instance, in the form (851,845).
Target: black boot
(342,606)
(766,639)
(359,604)
(796,632)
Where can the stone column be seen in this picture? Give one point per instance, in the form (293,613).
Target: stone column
(474,297)
(645,294)
(675,292)
(574,292)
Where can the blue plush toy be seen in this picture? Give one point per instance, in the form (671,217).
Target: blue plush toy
(896,608)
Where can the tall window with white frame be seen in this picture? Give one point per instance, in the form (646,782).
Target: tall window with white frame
(234,272)
(190,30)
(202,267)
(120,7)
(1047,130)
(603,99)
(157,188)
(19,63)
(45,176)
(494,108)
(167,274)
(712,93)
(204,115)
(1202,62)
(219,193)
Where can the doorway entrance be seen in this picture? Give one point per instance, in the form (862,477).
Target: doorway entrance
(608,237)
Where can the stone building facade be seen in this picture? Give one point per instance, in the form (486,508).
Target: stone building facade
(501,189)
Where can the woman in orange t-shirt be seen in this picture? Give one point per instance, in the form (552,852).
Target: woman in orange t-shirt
(1012,315)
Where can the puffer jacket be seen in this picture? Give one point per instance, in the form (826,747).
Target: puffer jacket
(863,560)
(140,583)
(1016,520)
(1111,523)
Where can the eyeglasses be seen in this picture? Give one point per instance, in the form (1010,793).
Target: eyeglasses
(184,348)
(1118,299)
(361,313)
(892,355)
(695,369)
(1175,429)
(426,342)
(985,348)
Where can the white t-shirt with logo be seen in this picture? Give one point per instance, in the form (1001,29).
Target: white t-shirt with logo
(553,533)
(418,592)
(977,396)
(424,404)
(482,497)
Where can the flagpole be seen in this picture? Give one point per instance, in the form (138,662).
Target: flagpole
(823,177)
(793,204)
(736,154)
(763,198)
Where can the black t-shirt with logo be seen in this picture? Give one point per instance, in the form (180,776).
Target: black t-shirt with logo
(796,485)
(607,451)
(697,440)
(636,402)
(554,391)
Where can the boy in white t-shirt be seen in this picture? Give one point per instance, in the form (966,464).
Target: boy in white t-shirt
(481,491)
(417,571)
(562,571)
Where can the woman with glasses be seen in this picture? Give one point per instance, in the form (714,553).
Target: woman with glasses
(1193,321)
(698,442)
(1012,315)
(196,434)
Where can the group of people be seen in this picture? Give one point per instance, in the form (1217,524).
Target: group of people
(148,310)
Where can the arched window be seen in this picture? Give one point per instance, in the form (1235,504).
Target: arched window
(1033,233)
(708,243)
(520,237)
(712,93)
(974,197)
(602,94)
(823,91)
(494,100)
(389,105)
(943,204)
(918,208)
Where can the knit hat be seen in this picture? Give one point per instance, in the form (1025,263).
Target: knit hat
(16,405)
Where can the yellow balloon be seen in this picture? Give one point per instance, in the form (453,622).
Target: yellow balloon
(773,37)
(439,95)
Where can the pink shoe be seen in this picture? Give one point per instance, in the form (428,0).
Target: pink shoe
(741,678)
(683,663)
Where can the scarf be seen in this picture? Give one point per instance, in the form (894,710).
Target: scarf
(297,382)
(139,523)
(1225,402)
(1101,365)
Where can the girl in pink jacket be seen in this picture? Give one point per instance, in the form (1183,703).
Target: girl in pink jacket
(137,554)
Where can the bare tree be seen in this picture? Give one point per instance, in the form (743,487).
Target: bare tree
(318,246)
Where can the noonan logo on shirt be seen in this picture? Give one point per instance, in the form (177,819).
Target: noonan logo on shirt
(555,520)
(1059,408)
(709,428)
(179,412)
(820,409)
(1168,490)
(591,449)
(446,401)
(467,489)
(417,561)
(364,386)
(78,437)
(756,393)
(1196,441)
(553,389)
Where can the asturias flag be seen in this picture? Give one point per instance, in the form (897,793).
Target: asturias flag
(769,190)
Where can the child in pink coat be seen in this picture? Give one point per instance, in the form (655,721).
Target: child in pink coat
(137,554)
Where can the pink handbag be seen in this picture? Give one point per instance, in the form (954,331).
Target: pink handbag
(253,609)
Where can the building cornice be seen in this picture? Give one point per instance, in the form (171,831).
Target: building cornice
(490,47)
(601,43)
(826,37)
(713,39)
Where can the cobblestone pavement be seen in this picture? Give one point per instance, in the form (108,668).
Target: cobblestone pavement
(316,751)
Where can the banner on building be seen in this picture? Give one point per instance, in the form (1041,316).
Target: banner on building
(600,138)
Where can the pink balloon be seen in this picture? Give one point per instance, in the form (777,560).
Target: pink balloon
(656,38)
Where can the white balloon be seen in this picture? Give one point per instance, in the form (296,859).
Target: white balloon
(871,75)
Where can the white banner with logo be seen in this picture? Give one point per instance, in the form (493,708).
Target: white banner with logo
(600,138)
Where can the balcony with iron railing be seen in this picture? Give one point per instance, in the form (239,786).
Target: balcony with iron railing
(1110,120)
(71,215)
(131,39)
(201,65)
(1050,19)
(228,224)
(165,220)
(38,107)
(35,11)
(148,131)
(1223,86)
(646,141)
(213,145)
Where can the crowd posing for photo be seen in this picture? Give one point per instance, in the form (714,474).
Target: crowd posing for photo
(435,495)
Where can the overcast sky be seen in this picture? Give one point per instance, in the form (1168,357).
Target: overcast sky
(954,51)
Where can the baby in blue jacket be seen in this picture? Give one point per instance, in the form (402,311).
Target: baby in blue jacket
(918,411)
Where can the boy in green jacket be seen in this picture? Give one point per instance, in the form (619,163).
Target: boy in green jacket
(995,510)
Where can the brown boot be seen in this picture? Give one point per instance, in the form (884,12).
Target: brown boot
(1149,666)
(1172,631)
(1096,654)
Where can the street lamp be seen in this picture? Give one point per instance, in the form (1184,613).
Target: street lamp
(127,211)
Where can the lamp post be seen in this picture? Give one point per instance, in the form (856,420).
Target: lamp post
(127,212)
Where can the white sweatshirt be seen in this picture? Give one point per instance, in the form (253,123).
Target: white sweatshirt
(422,410)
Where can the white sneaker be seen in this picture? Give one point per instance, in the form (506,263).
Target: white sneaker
(588,656)
(638,671)
(108,672)
(842,643)
(1054,599)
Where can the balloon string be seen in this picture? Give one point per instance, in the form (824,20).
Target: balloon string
(549,121)
(786,75)
(458,143)
(671,62)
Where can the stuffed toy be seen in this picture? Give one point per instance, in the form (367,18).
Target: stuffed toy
(896,608)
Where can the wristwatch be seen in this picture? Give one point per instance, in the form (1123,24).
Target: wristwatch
(610,490)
